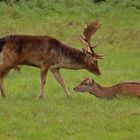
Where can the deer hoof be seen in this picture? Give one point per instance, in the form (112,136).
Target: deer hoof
(68,96)
(4,96)
(41,97)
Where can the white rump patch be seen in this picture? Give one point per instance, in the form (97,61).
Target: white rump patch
(1,57)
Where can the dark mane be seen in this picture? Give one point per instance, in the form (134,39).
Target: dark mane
(65,50)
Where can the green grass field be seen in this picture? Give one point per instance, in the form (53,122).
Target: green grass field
(82,117)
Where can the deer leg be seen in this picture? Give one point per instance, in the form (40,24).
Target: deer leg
(2,75)
(58,77)
(43,74)
(2,87)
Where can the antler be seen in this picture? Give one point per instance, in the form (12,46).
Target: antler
(87,34)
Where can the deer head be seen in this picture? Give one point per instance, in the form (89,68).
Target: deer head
(85,85)
(92,56)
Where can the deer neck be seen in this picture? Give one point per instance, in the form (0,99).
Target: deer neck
(71,63)
(71,58)
(103,92)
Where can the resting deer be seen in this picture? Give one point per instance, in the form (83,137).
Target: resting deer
(47,53)
(126,88)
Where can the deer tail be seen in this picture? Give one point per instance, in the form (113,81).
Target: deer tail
(2,42)
(17,68)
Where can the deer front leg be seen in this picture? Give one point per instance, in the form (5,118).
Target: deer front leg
(43,74)
(2,75)
(58,77)
(2,87)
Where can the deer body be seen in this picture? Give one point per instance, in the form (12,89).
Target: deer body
(44,52)
(126,89)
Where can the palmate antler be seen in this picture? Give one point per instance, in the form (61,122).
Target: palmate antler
(86,37)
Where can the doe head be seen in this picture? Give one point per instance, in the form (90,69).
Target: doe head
(85,85)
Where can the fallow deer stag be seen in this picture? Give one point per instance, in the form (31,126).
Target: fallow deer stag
(47,53)
(125,89)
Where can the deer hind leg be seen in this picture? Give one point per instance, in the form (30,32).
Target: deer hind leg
(2,75)
(58,77)
(8,59)
(43,75)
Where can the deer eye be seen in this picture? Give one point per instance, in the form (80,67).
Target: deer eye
(86,84)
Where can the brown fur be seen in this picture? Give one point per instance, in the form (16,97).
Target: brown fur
(126,89)
(44,52)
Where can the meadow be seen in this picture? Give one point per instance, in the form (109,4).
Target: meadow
(23,116)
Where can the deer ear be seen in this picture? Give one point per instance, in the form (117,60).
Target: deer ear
(93,81)
(86,52)
(90,80)
(94,58)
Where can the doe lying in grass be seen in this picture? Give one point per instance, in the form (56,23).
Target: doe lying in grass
(126,88)
(47,53)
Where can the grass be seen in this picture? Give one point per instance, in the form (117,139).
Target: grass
(23,116)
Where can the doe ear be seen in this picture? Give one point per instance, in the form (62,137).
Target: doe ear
(93,81)
(90,80)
